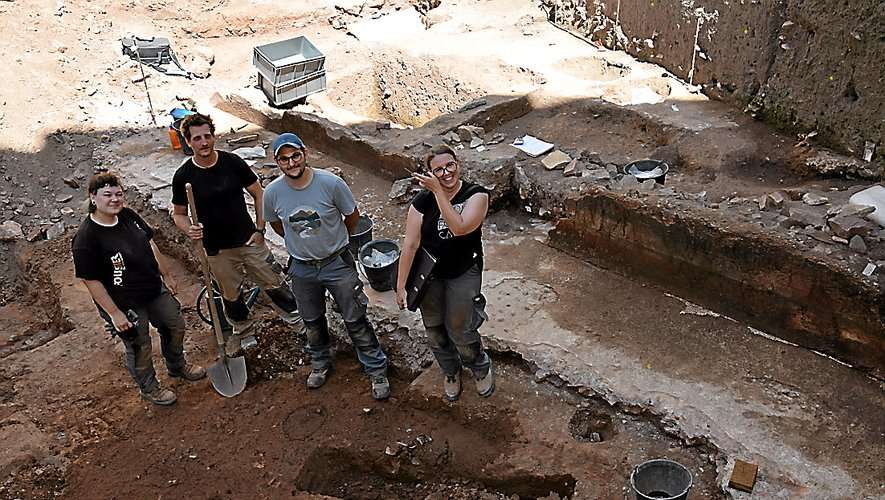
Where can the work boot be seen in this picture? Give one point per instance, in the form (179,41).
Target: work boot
(318,376)
(485,385)
(188,372)
(452,387)
(380,387)
(159,396)
(237,345)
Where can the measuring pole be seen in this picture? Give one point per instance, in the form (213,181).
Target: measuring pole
(144,80)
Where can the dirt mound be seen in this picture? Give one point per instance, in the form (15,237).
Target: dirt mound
(413,91)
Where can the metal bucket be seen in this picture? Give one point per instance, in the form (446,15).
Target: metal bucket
(381,277)
(361,235)
(647,169)
(660,480)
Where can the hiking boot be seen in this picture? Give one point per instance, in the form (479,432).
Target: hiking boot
(188,372)
(485,386)
(318,376)
(237,345)
(159,396)
(452,387)
(380,387)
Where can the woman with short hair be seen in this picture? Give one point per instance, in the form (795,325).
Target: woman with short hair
(124,271)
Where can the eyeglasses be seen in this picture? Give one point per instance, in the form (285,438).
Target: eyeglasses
(285,160)
(448,167)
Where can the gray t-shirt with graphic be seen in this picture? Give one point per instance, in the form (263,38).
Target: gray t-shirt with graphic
(311,217)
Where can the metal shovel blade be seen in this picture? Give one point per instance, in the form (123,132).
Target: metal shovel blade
(228,375)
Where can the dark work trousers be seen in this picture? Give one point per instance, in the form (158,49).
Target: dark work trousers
(164,313)
(339,277)
(453,310)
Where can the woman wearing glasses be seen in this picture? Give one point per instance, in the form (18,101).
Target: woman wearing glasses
(124,271)
(446,219)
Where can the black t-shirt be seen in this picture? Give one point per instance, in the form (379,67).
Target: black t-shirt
(454,254)
(120,257)
(218,195)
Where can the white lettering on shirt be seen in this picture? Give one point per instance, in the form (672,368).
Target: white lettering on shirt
(119,267)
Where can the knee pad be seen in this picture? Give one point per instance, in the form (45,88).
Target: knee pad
(362,334)
(471,354)
(437,336)
(283,298)
(358,325)
(317,323)
(236,310)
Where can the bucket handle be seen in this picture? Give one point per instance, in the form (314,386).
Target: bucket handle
(360,270)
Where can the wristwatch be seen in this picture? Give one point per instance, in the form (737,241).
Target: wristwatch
(261,230)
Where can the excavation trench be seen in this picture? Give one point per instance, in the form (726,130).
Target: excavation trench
(599,370)
(537,437)
(675,237)
(568,426)
(555,423)
(28,288)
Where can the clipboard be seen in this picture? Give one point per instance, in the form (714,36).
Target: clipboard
(420,277)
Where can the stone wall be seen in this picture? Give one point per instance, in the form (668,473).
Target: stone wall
(803,66)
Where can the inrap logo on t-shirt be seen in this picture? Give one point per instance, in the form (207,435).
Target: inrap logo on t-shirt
(119,267)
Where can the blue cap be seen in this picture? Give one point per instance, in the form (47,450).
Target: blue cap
(287,139)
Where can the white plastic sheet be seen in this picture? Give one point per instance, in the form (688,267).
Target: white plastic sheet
(532,146)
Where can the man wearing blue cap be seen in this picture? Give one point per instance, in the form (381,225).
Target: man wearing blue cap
(315,213)
(235,245)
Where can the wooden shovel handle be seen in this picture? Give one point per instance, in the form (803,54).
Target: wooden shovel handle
(204,260)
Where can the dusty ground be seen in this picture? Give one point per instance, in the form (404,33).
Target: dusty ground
(71,423)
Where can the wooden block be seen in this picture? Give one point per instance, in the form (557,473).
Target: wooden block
(743,477)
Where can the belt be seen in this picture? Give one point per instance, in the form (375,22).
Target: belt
(321,262)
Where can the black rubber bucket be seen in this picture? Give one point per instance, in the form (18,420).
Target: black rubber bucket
(361,235)
(647,169)
(660,480)
(381,275)
(176,125)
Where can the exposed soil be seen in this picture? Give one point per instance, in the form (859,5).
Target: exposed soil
(97,439)
(71,422)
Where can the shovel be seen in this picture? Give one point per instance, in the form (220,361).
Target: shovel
(228,375)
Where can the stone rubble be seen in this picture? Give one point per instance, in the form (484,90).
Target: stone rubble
(556,160)
(56,230)
(10,231)
(814,199)
(857,244)
(772,201)
(848,226)
(468,133)
(573,169)
(597,175)
(831,164)
(800,215)
(401,191)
